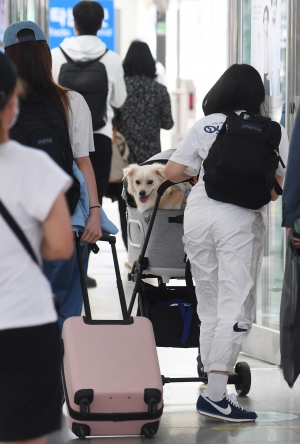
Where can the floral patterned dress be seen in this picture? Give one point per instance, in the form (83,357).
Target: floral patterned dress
(146,110)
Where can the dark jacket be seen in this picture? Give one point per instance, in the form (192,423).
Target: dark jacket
(146,110)
(291,191)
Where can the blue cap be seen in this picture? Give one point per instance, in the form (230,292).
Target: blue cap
(10,35)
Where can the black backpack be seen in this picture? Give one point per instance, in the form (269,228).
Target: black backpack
(40,125)
(241,164)
(90,80)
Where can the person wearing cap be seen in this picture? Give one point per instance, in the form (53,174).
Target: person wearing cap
(87,46)
(30,406)
(25,44)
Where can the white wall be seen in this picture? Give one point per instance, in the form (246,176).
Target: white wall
(203,43)
(128,23)
(137,21)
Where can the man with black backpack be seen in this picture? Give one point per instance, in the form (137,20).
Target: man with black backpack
(84,64)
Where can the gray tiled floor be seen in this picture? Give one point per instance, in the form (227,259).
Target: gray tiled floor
(278,406)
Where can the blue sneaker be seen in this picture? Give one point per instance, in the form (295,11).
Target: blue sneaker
(227,409)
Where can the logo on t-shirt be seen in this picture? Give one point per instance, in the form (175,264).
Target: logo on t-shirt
(211,129)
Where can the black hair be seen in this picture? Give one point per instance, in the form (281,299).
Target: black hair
(239,88)
(88,16)
(139,60)
(267,11)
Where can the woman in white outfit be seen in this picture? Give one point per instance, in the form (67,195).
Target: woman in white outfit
(224,242)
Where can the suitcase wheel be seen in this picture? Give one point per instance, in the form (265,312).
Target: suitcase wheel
(81,430)
(243,386)
(152,397)
(149,430)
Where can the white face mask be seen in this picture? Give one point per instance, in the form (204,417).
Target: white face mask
(274,12)
(16,110)
(265,26)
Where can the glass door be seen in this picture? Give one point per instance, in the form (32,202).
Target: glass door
(262,43)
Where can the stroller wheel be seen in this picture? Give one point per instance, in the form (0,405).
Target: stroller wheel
(243,387)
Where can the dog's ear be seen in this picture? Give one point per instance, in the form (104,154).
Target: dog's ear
(159,169)
(130,170)
(128,173)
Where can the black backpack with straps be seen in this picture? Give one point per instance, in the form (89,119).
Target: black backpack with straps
(40,125)
(90,80)
(241,164)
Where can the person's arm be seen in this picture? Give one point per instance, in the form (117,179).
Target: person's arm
(274,195)
(58,240)
(165,111)
(119,92)
(175,172)
(92,231)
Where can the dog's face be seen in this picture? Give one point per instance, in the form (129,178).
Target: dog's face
(143,182)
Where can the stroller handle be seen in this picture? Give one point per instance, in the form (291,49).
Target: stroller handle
(166,184)
(163,187)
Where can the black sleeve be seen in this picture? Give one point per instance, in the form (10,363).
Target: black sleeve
(165,111)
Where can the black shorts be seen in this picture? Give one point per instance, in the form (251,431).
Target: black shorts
(30,388)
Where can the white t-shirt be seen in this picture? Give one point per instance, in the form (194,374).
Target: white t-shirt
(194,147)
(29,185)
(80,126)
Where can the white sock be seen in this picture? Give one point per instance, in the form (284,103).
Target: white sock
(216,386)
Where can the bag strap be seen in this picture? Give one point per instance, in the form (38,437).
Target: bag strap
(259,119)
(185,312)
(18,232)
(88,62)
(190,285)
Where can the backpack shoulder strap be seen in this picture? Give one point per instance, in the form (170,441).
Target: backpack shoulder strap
(88,62)
(66,56)
(258,119)
(18,232)
(103,54)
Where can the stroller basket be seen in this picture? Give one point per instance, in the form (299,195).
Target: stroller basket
(174,320)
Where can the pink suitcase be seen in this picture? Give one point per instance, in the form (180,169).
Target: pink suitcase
(111,373)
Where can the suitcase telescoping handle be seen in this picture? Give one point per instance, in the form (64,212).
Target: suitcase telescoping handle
(86,302)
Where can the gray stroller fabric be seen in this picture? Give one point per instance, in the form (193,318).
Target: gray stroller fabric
(290,315)
(165,247)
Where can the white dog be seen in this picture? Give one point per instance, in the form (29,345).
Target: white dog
(143,182)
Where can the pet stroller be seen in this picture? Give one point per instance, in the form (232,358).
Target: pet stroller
(155,250)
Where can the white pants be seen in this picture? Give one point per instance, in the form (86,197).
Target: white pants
(224,243)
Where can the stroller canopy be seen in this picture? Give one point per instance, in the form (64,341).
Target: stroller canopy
(161,157)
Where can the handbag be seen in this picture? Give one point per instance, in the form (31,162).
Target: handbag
(16,229)
(290,315)
(119,160)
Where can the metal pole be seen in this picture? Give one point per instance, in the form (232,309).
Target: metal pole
(25,9)
(291,44)
(178,76)
(46,18)
(232,32)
